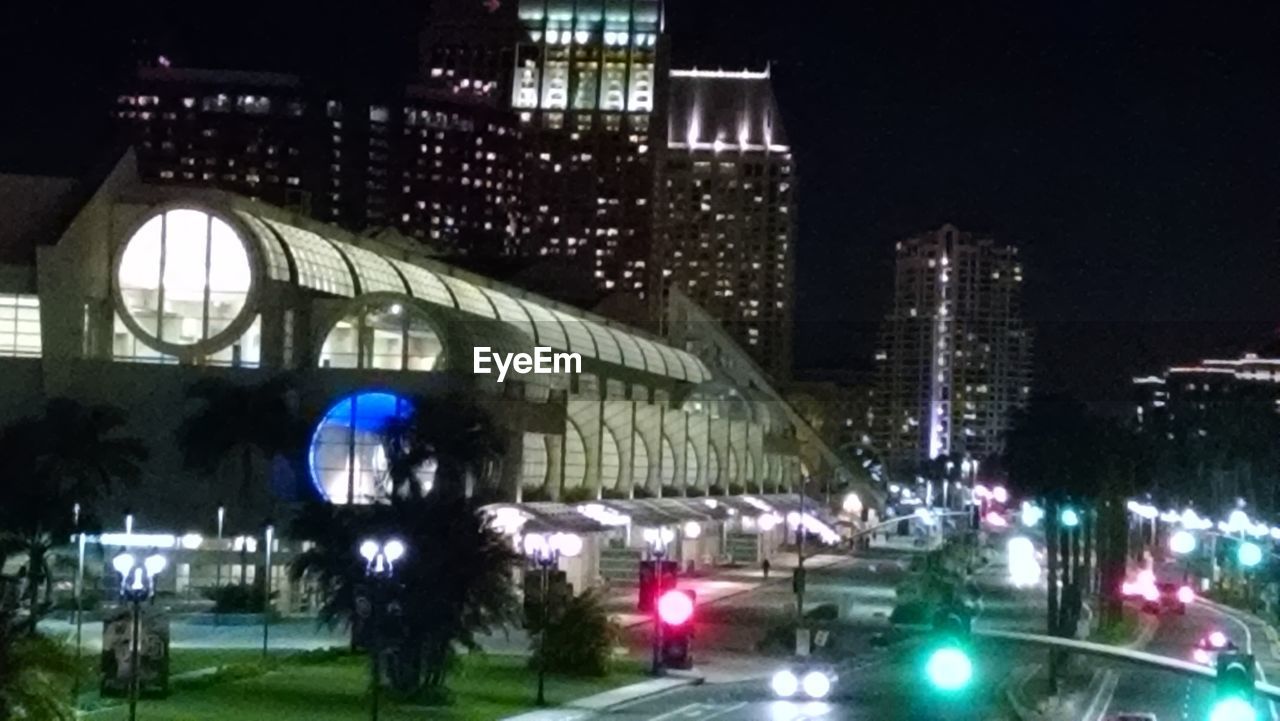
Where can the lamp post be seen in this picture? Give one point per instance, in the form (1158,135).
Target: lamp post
(79,595)
(657,538)
(268,536)
(137,584)
(546,551)
(380,563)
(222,517)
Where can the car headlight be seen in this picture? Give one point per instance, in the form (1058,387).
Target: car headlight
(816,685)
(784,684)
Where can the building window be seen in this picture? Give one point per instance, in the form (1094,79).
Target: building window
(347,457)
(184,277)
(19,326)
(386,335)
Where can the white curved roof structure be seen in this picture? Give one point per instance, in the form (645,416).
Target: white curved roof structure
(330,264)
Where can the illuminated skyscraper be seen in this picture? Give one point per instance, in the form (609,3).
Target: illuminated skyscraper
(955,357)
(436,166)
(587,79)
(725,219)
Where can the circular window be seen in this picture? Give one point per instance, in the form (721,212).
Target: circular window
(184,279)
(347,458)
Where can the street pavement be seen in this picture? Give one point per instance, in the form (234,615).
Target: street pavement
(1177,698)
(880,683)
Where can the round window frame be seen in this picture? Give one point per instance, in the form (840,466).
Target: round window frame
(401,396)
(236,328)
(357,305)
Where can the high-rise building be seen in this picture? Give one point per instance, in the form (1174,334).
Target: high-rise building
(587,83)
(437,167)
(725,218)
(954,363)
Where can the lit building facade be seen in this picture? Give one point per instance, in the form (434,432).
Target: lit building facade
(955,355)
(586,85)
(725,217)
(149,288)
(435,168)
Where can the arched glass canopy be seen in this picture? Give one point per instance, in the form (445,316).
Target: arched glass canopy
(187,278)
(384,333)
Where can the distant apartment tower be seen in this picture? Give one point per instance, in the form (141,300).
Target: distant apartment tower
(586,85)
(725,216)
(435,167)
(954,362)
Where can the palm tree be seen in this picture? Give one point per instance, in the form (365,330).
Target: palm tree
(452,434)
(36,674)
(245,428)
(455,581)
(73,454)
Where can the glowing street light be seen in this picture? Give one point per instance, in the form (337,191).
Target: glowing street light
(546,550)
(380,558)
(1070,518)
(137,584)
(1249,554)
(1182,542)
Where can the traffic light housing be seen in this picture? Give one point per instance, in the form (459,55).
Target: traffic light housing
(948,664)
(1234,688)
(675,614)
(656,577)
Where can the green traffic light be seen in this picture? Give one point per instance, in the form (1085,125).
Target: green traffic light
(1233,709)
(1249,554)
(949,669)
(1070,518)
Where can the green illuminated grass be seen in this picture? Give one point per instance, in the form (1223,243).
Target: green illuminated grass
(485,688)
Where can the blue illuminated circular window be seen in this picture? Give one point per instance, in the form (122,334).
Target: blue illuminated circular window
(347,458)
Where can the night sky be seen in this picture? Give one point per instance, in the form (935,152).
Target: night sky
(1132,153)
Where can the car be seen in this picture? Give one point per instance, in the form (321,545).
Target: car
(804,680)
(1207,649)
(1166,598)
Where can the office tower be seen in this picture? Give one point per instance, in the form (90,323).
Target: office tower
(586,87)
(436,167)
(725,219)
(954,363)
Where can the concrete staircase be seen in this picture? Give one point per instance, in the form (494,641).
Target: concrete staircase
(744,548)
(620,566)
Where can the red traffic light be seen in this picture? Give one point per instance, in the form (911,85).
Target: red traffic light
(675,608)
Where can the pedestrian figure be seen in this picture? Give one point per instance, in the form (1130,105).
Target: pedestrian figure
(764,566)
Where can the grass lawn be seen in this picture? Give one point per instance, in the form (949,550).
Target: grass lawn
(486,688)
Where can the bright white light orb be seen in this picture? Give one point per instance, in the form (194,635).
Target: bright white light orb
(123,563)
(1182,542)
(568,544)
(784,684)
(155,564)
(692,529)
(369,550)
(816,685)
(394,550)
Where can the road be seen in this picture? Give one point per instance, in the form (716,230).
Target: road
(1171,697)
(881,684)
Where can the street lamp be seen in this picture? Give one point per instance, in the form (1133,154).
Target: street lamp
(657,538)
(269,536)
(222,517)
(380,566)
(546,551)
(137,584)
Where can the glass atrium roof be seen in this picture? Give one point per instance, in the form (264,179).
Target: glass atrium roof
(331,265)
